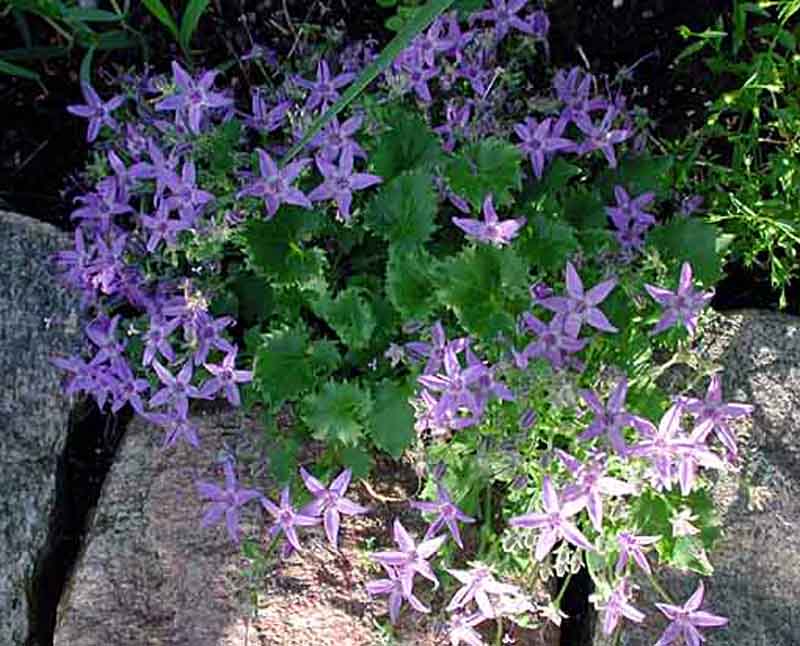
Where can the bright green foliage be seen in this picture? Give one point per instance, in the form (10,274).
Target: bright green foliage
(491,166)
(283,367)
(409,284)
(349,314)
(276,247)
(409,145)
(692,240)
(485,287)
(338,412)
(391,424)
(547,243)
(403,211)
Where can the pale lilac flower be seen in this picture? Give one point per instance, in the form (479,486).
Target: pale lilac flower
(631,545)
(227,501)
(186,196)
(461,629)
(287,518)
(194,97)
(662,446)
(618,606)
(340,182)
(602,136)
(225,377)
(157,339)
(411,558)
(418,73)
(323,91)
(539,139)
(554,522)
(491,230)
(682,306)
(330,502)
(127,387)
(580,306)
(504,16)
(718,412)
(176,427)
(454,384)
(692,454)
(477,584)
(266,119)
(612,418)
(686,620)
(97,111)
(335,138)
(448,514)
(161,227)
(631,210)
(393,586)
(456,121)
(274,185)
(435,350)
(553,343)
(177,390)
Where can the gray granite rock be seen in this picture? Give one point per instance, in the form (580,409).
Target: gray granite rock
(148,574)
(756,580)
(37,318)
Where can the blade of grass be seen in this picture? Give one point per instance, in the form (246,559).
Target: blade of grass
(16,70)
(33,53)
(191,17)
(90,15)
(157,8)
(418,23)
(86,66)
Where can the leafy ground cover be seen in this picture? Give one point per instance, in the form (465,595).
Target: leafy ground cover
(484,259)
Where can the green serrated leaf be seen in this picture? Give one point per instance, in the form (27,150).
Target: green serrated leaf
(338,412)
(282,368)
(689,239)
(404,210)
(325,357)
(547,243)
(391,424)
(418,23)
(191,17)
(409,145)
(490,166)
(356,459)
(485,287)
(409,284)
(555,179)
(162,14)
(639,175)
(349,314)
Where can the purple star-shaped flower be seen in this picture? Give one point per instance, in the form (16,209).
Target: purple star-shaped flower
(580,306)
(418,73)
(287,518)
(336,137)
(618,606)
(491,230)
(176,427)
(411,558)
(274,185)
(455,384)
(226,500)
(266,119)
(448,514)
(631,545)
(225,377)
(504,16)
(461,628)
(602,136)
(161,226)
(193,98)
(682,306)
(554,521)
(539,139)
(324,91)
(330,503)
(611,418)
(127,387)
(477,584)
(340,182)
(455,125)
(435,350)
(393,586)
(713,409)
(157,339)
(97,111)
(177,390)
(186,196)
(553,344)
(686,620)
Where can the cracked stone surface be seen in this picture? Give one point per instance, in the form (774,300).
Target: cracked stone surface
(757,559)
(37,318)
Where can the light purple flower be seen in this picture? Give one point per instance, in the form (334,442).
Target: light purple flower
(287,518)
(686,620)
(275,184)
(97,111)
(539,139)
(161,226)
(553,344)
(177,390)
(461,629)
(631,545)
(618,606)
(411,558)
(266,119)
(603,136)
(448,514)
(127,387)
(340,182)
(330,502)
(335,138)
(176,428)
(580,306)
(393,586)
(324,91)
(662,446)
(194,97)
(225,377)
(491,230)
(225,500)
(504,16)
(682,306)
(554,522)
(476,585)
(612,418)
